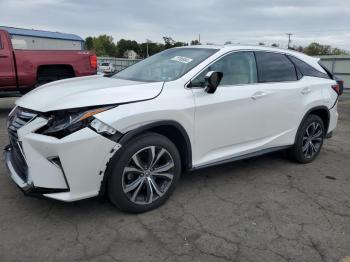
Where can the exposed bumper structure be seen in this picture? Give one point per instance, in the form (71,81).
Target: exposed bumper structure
(66,169)
(21,183)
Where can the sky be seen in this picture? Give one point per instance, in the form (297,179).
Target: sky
(217,21)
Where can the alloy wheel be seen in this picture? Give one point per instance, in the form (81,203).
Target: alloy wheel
(148,175)
(312,140)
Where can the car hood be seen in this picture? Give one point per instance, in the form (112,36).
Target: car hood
(88,91)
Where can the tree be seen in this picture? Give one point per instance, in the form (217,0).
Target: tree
(103,45)
(170,43)
(228,43)
(298,48)
(153,48)
(89,43)
(275,45)
(318,49)
(195,42)
(124,45)
(261,43)
(177,44)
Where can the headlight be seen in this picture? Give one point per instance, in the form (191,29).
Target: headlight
(65,122)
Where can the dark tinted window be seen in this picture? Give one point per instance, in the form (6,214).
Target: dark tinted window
(330,75)
(0,43)
(306,69)
(274,67)
(238,68)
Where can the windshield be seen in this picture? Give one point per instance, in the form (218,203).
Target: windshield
(167,65)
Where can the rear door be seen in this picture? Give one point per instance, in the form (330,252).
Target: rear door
(279,78)
(7,69)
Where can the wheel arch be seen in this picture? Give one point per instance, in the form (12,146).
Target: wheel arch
(172,130)
(322,112)
(54,70)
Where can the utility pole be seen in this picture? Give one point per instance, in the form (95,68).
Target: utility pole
(148,42)
(199,38)
(289,41)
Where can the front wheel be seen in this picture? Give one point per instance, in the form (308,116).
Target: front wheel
(309,140)
(144,173)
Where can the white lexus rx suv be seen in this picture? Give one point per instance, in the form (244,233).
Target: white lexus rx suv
(130,136)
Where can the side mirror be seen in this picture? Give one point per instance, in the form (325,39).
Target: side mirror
(212,81)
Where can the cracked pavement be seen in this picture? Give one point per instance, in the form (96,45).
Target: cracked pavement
(261,209)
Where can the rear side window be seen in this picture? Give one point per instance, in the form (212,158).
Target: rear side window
(273,67)
(306,69)
(0,42)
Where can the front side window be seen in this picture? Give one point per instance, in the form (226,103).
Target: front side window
(273,67)
(238,68)
(168,65)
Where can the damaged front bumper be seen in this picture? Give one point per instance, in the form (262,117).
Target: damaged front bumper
(67,169)
(25,185)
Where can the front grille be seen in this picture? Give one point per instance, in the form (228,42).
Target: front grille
(17,119)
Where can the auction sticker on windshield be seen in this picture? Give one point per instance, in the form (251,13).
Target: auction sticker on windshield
(182,59)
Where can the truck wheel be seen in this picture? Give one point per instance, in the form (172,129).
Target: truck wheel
(144,173)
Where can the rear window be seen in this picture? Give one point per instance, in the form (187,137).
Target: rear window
(306,69)
(273,67)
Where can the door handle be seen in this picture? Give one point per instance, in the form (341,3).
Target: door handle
(306,91)
(258,95)
(3,56)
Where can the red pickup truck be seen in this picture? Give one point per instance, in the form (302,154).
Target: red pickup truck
(26,62)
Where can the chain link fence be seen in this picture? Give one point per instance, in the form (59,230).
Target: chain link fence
(118,63)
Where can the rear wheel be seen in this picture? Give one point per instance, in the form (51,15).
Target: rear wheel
(144,174)
(309,140)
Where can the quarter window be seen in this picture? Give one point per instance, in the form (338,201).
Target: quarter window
(306,69)
(237,68)
(273,67)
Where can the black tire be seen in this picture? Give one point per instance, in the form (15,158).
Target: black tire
(123,159)
(298,152)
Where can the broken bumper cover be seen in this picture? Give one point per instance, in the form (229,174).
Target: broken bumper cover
(67,169)
(27,187)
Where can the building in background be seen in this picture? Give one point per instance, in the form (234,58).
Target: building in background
(339,65)
(31,39)
(130,54)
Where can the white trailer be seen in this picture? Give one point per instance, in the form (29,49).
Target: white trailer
(31,39)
